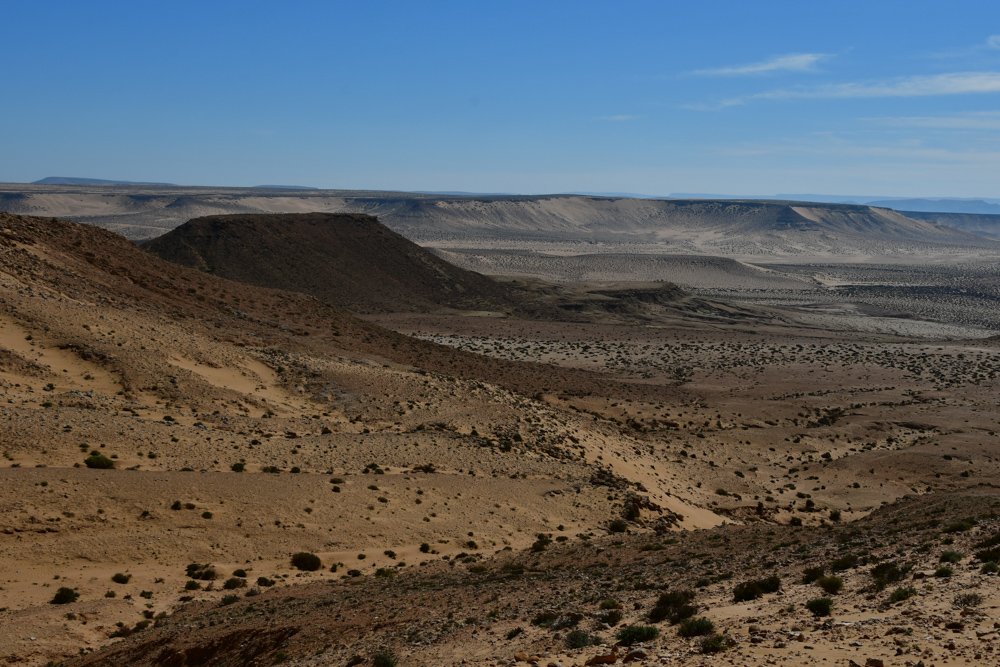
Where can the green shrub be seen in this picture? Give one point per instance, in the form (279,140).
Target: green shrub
(120,578)
(192,585)
(238,467)
(514,633)
(673,606)
(752,590)
(384,659)
(950,556)
(820,606)
(612,617)
(240,573)
(544,619)
(943,572)
(233,583)
(306,561)
(831,585)
(610,604)
(581,639)
(812,574)
(64,596)
(696,627)
(633,634)
(99,461)
(959,526)
(845,562)
(902,593)
(617,526)
(963,600)
(990,568)
(228,600)
(713,644)
(424,547)
(265,582)
(888,572)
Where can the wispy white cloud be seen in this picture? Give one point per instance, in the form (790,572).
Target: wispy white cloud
(993,41)
(792,62)
(618,118)
(955,83)
(984,120)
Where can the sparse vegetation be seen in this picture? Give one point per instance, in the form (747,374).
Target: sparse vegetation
(820,606)
(633,634)
(307,562)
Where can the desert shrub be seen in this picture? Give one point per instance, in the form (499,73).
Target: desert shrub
(959,526)
(902,593)
(988,549)
(712,644)
(541,541)
(192,585)
(544,619)
(240,573)
(963,600)
(673,606)
(424,547)
(696,627)
(943,572)
(612,617)
(228,600)
(820,606)
(811,574)
(617,526)
(306,561)
(949,556)
(514,633)
(831,585)
(888,572)
(120,578)
(238,467)
(384,659)
(581,639)
(206,515)
(99,461)
(265,582)
(990,567)
(633,634)
(835,515)
(204,572)
(177,505)
(146,595)
(752,590)
(232,583)
(64,596)
(845,562)
(610,604)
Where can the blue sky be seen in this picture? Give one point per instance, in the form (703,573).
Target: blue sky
(866,98)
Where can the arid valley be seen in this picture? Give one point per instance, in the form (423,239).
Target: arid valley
(262,427)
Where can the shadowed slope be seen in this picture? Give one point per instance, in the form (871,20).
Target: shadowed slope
(352,261)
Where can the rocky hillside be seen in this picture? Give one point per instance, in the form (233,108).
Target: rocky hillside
(348,260)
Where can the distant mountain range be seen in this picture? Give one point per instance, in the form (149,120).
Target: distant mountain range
(69,180)
(942,205)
